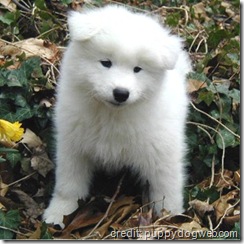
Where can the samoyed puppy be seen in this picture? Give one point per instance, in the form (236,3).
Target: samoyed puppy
(121,101)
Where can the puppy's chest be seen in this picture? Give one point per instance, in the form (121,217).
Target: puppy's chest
(110,141)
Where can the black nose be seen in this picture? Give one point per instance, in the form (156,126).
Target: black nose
(121,94)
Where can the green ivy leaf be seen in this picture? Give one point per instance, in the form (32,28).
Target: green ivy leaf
(20,101)
(235,94)
(8,18)
(216,36)
(219,88)
(31,67)
(45,235)
(13,158)
(7,150)
(40,4)
(229,139)
(5,112)
(206,96)
(10,220)
(24,113)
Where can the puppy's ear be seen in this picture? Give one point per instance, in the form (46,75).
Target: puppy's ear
(170,49)
(82,26)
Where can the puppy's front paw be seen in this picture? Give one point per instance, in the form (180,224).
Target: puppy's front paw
(53,216)
(59,207)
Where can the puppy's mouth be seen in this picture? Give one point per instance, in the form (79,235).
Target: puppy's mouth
(116,104)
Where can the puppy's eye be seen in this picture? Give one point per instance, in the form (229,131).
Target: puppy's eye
(137,69)
(106,63)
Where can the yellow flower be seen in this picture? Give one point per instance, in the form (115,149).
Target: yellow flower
(10,131)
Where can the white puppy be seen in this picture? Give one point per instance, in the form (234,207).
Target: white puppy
(121,101)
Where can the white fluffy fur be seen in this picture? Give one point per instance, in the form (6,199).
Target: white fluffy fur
(145,132)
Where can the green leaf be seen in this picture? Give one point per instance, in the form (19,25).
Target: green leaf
(45,235)
(14,78)
(20,101)
(219,88)
(235,94)
(2,78)
(199,77)
(229,139)
(13,158)
(173,19)
(206,96)
(194,191)
(216,36)
(32,65)
(40,4)
(19,113)
(21,77)
(234,58)
(5,112)
(8,18)
(224,105)
(10,220)
(7,150)
(24,113)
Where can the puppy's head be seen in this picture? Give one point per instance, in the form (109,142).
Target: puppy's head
(125,53)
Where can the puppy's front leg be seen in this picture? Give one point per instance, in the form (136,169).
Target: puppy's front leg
(166,186)
(73,175)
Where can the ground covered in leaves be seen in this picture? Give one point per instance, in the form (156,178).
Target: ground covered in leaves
(32,38)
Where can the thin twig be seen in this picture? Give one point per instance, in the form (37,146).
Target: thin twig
(21,6)
(195,38)
(212,172)
(210,223)
(14,231)
(210,137)
(17,181)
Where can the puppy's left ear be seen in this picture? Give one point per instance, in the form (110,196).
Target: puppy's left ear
(82,26)
(170,49)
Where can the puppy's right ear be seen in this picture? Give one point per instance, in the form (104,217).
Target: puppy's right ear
(82,26)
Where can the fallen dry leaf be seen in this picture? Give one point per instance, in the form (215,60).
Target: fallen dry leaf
(84,218)
(31,139)
(36,235)
(40,160)
(31,47)
(9,5)
(200,11)
(32,209)
(145,218)
(201,208)
(223,205)
(193,225)
(42,164)
(222,180)
(195,85)
(3,188)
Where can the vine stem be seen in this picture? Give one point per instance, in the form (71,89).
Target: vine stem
(217,121)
